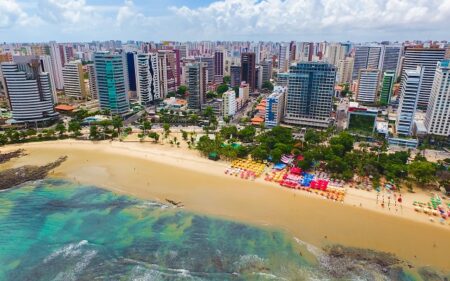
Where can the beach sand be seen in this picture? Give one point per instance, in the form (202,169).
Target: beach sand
(159,172)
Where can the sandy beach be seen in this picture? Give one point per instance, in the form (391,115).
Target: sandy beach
(159,172)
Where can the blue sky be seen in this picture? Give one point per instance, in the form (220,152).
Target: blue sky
(278,20)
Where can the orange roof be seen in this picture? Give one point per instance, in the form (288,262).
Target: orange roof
(261,107)
(181,102)
(257,120)
(338,88)
(65,107)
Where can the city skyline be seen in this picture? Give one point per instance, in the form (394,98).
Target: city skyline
(266,20)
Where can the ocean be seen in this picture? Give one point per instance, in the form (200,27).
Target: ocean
(60,230)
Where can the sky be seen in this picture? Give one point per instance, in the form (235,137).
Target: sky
(252,20)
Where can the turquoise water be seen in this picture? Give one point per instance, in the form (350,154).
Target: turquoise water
(57,230)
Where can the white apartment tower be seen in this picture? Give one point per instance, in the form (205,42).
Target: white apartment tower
(437,119)
(368,80)
(74,80)
(409,96)
(58,63)
(147,77)
(29,91)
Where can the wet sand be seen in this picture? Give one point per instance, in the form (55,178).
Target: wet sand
(159,172)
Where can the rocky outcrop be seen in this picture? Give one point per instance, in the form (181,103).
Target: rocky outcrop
(15,176)
(5,157)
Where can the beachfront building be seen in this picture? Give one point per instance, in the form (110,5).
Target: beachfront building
(368,85)
(387,86)
(74,80)
(110,76)
(409,96)
(275,107)
(310,94)
(147,77)
(29,91)
(92,81)
(437,119)
(427,58)
(229,103)
(196,77)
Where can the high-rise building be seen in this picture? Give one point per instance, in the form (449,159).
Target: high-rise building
(58,63)
(218,66)
(111,83)
(169,70)
(92,81)
(427,58)
(209,62)
(248,70)
(196,84)
(283,58)
(366,57)
(259,77)
(391,59)
(266,70)
(409,96)
(387,87)
(335,53)
(29,91)
(275,107)
(310,94)
(345,70)
(235,75)
(368,80)
(147,77)
(229,103)
(74,80)
(131,71)
(162,68)
(437,119)
(47,66)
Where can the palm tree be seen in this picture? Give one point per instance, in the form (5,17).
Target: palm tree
(146,125)
(117,123)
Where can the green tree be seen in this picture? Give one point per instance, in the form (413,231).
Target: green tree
(184,135)
(423,171)
(60,128)
(227,79)
(146,125)
(166,128)
(3,139)
(247,134)
(93,132)
(117,123)
(182,90)
(74,127)
(267,85)
(154,136)
(222,88)
(259,153)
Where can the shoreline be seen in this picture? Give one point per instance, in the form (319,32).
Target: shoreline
(158,172)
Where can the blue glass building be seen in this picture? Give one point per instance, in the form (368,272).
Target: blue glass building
(111,82)
(310,94)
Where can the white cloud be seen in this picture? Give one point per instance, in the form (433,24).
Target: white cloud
(358,20)
(300,17)
(12,13)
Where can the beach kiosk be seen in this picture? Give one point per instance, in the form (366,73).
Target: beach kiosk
(213,156)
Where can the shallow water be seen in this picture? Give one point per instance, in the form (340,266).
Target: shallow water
(58,230)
